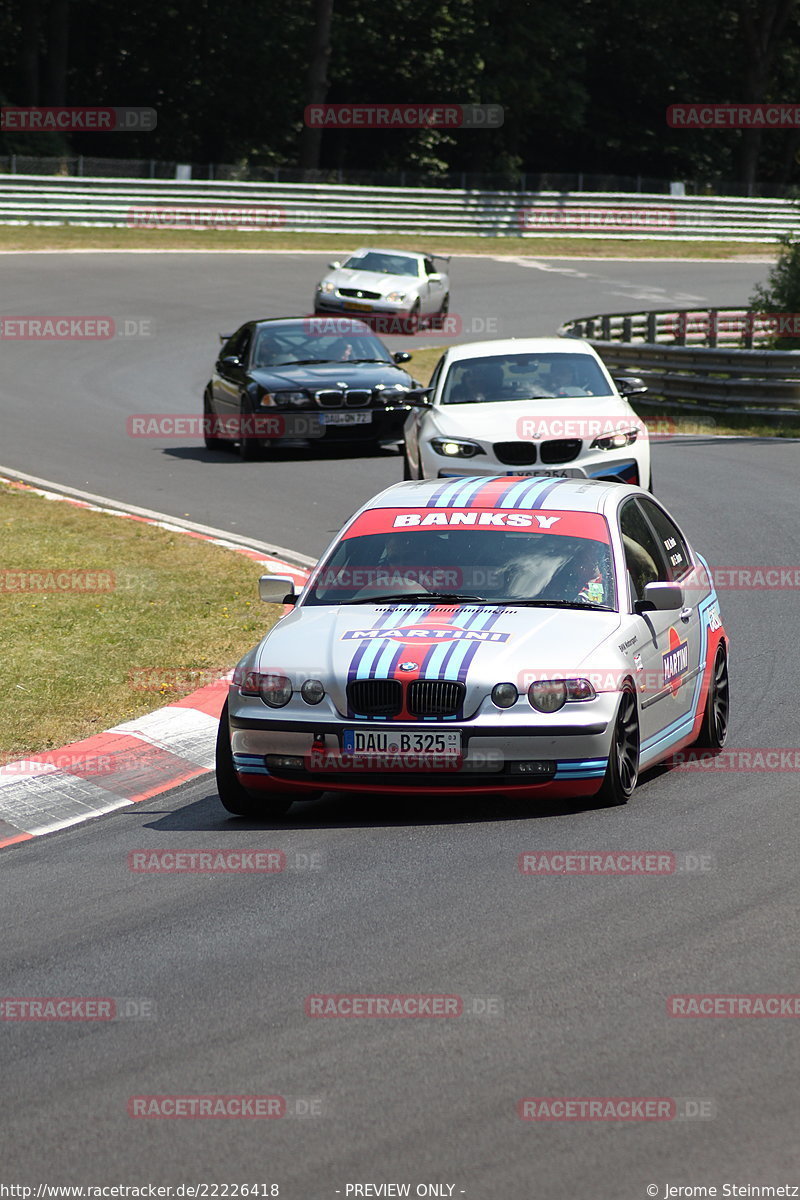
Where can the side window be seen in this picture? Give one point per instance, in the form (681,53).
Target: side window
(644,558)
(234,343)
(244,344)
(437,370)
(670,539)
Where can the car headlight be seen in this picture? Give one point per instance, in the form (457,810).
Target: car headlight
(456,448)
(549,695)
(615,441)
(326,286)
(396,297)
(312,691)
(504,695)
(274,690)
(284,399)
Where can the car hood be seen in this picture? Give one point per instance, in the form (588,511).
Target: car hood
(499,421)
(373,281)
(480,644)
(331,375)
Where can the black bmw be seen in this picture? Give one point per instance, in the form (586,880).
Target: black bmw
(304,378)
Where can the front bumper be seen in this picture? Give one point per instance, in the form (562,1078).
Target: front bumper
(567,758)
(625,470)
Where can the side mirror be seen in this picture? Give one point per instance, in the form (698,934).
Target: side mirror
(418,397)
(230,360)
(401,356)
(276,589)
(435,277)
(661,597)
(629,385)
(334,266)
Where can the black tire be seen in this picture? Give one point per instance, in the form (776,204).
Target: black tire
(650,487)
(250,449)
(714,730)
(234,797)
(212,443)
(414,320)
(623,761)
(406,465)
(445,308)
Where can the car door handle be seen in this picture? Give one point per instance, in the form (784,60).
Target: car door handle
(686,613)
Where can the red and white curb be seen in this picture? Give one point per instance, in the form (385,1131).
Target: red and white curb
(138,759)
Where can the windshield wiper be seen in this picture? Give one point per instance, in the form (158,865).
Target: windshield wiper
(300,362)
(521,603)
(414,597)
(360,360)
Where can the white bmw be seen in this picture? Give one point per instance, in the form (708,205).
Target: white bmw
(542,406)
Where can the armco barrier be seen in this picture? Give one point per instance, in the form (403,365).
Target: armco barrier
(360,211)
(702,378)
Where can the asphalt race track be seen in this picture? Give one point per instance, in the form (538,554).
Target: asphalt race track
(387,896)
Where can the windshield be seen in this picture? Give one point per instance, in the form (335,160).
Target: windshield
(523,377)
(317,341)
(497,566)
(384,264)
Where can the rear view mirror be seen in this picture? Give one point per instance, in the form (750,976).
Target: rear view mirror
(401,356)
(276,589)
(663,597)
(230,360)
(334,266)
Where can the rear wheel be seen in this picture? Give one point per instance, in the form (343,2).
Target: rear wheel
(234,797)
(623,762)
(714,730)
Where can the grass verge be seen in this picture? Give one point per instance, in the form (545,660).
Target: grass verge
(164,615)
(80,237)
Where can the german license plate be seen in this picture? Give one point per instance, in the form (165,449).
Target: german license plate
(346,418)
(402,744)
(565,473)
(351,307)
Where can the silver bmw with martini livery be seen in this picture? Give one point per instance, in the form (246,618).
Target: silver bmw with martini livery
(528,636)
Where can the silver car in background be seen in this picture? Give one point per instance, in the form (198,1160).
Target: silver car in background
(386,283)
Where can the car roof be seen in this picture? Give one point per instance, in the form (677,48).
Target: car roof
(387,250)
(540,345)
(509,491)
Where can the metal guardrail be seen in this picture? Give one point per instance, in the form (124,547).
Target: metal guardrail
(700,377)
(362,211)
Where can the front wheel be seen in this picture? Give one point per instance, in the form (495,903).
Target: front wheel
(623,762)
(250,448)
(233,796)
(714,730)
(407,474)
(212,443)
